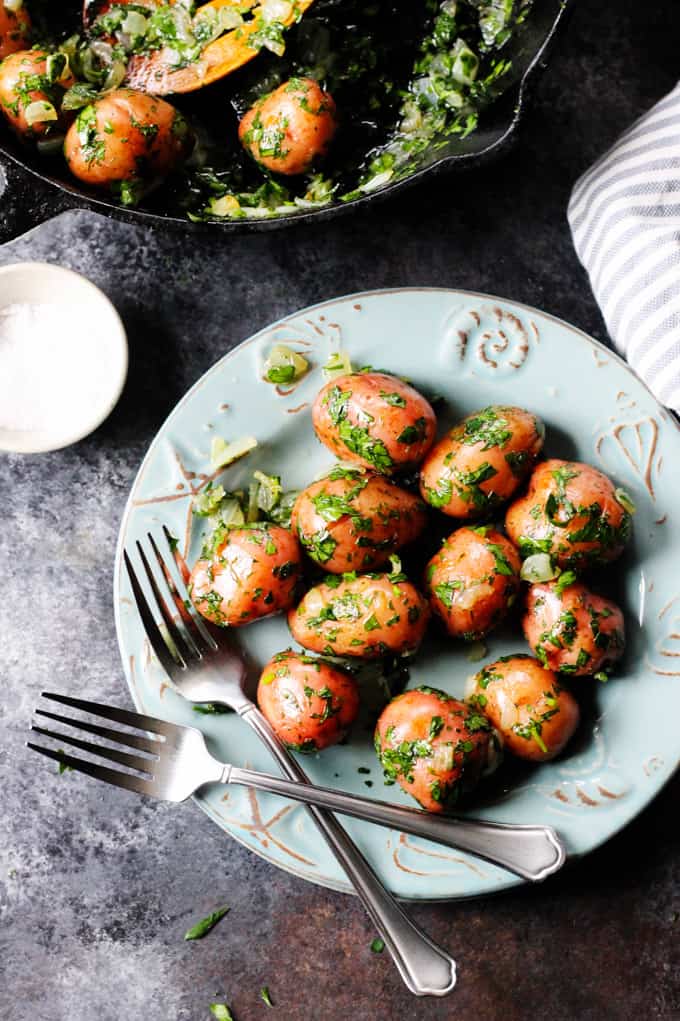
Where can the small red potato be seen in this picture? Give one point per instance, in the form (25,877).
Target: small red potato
(526,704)
(433,746)
(310,703)
(473,581)
(572,630)
(375,420)
(291,128)
(15,30)
(32,84)
(482,461)
(573,513)
(126,141)
(368,616)
(250,572)
(354,520)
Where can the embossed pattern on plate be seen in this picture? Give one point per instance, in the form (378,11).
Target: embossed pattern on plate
(473,350)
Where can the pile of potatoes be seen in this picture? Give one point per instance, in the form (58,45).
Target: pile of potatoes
(127,141)
(566,516)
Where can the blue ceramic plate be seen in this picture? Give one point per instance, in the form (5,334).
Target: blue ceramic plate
(474,350)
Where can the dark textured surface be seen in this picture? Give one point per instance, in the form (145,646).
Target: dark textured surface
(96,887)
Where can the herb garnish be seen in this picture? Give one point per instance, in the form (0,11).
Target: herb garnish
(203,927)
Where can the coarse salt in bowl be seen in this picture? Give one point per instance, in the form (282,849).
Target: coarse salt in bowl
(63,357)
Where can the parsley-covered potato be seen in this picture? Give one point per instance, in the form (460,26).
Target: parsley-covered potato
(32,84)
(573,513)
(572,630)
(482,461)
(375,420)
(433,746)
(369,615)
(532,712)
(310,703)
(353,519)
(246,572)
(290,128)
(15,29)
(473,580)
(127,141)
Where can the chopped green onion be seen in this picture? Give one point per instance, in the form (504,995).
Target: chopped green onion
(465,63)
(57,67)
(624,499)
(203,927)
(337,365)
(265,997)
(283,365)
(223,453)
(134,24)
(269,491)
(39,112)
(221,1012)
(78,96)
(538,567)
(226,205)
(207,502)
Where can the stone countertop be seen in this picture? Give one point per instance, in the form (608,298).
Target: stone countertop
(97,887)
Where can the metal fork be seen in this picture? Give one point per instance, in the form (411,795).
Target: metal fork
(179,763)
(204,668)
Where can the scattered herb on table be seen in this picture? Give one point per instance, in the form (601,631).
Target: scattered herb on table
(265,997)
(203,927)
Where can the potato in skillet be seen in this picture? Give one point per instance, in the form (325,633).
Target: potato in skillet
(246,572)
(32,84)
(127,141)
(309,702)
(367,615)
(374,419)
(290,129)
(473,580)
(433,746)
(482,461)
(353,519)
(573,513)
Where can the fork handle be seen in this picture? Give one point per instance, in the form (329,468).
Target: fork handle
(532,852)
(426,969)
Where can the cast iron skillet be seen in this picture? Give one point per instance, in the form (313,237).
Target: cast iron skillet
(497,131)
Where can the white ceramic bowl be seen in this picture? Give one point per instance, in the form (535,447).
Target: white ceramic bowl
(37,283)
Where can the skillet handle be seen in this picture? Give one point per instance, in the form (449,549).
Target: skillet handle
(25,201)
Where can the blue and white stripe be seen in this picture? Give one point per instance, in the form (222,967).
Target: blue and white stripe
(624,215)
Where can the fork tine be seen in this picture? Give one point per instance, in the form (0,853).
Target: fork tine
(158,643)
(113,754)
(168,620)
(184,575)
(112,776)
(144,744)
(124,716)
(185,616)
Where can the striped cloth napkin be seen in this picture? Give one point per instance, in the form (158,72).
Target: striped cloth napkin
(624,215)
